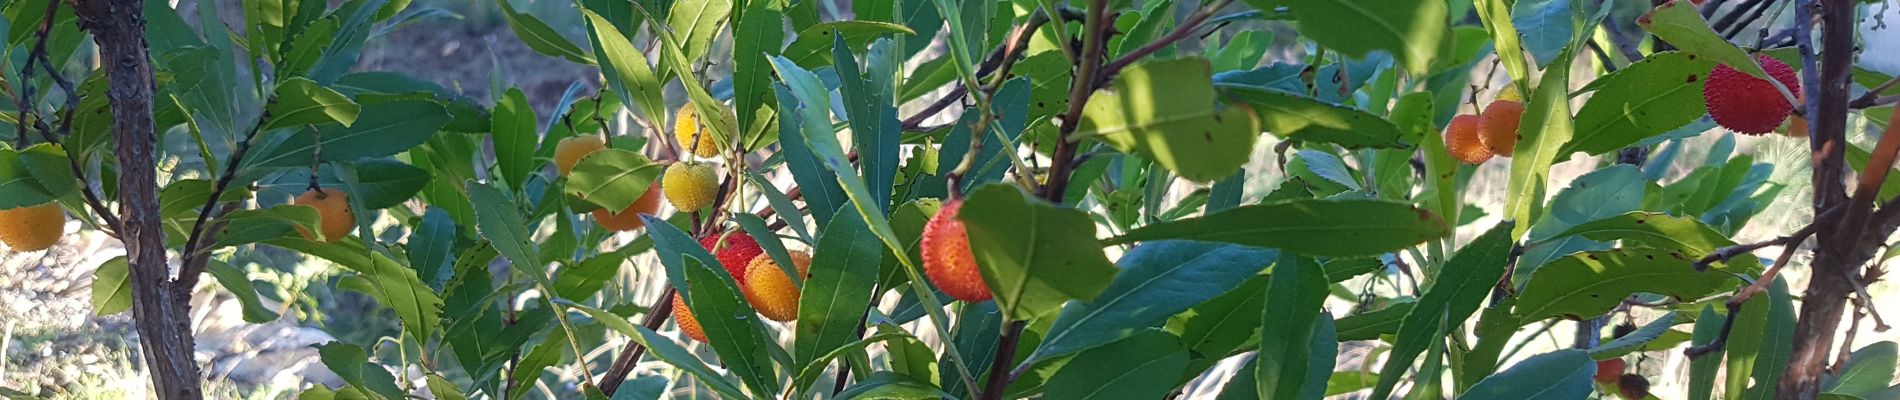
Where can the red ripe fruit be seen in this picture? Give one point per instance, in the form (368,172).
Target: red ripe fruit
(1608,371)
(947,257)
(1746,104)
(734,254)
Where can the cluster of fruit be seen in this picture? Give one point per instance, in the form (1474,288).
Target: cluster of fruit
(694,185)
(1735,100)
(1474,138)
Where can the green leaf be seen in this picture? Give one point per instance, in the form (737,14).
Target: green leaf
(875,130)
(1678,23)
(1410,29)
(1166,111)
(302,102)
(235,281)
(111,287)
(628,72)
(1218,327)
(1867,373)
(1635,340)
(668,351)
(1371,325)
(759,33)
(813,46)
(497,220)
(1145,365)
(1310,120)
(612,179)
(832,304)
(527,372)
(696,22)
(1496,17)
(541,37)
(1460,287)
(258,225)
(731,326)
(1592,283)
(515,133)
(1157,280)
(383,183)
(1546,125)
(1031,272)
(390,283)
(1664,231)
(1562,374)
(586,278)
(1345,228)
(1545,25)
(1596,195)
(352,364)
(383,129)
(1650,97)
(34,176)
(1286,338)
(891,386)
(1760,343)
(1702,369)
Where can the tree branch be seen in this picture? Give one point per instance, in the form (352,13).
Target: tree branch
(160,308)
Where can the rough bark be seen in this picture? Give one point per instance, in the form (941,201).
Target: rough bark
(160,308)
(1839,253)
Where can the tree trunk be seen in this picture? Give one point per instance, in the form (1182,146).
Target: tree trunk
(160,308)
(1838,252)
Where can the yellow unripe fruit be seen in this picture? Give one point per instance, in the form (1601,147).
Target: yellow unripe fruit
(690,186)
(770,291)
(692,135)
(571,150)
(334,217)
(32,228)
(684,318)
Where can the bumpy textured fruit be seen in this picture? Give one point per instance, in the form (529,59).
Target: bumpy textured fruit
(629,219)
(1461,140)
(32,228)
(1609,370)
(1747,104)
(571,150)
(947,257)
(690,186)
(334,218)
(1497,126)
(685,126)
(734,253)
(684,318)
(770,291)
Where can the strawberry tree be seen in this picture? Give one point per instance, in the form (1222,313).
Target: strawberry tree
(991,199)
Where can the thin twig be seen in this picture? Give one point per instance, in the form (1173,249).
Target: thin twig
(195,238)
(1734,304)
(26,71)
(623,365)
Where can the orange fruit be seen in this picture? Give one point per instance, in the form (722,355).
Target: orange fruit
(770,291)
(1461,140)
(684,318)
(32,228)
(629,219)
(334,217)
(947,257)
(1497,126)
(571,150)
